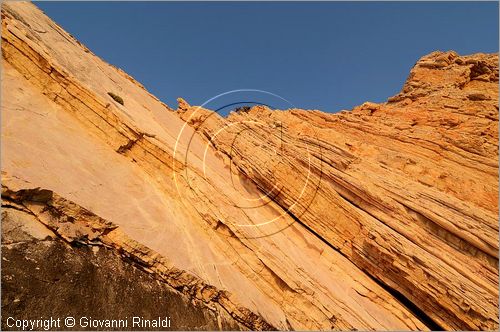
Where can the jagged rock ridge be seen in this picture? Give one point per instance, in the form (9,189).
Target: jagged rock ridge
(383,217)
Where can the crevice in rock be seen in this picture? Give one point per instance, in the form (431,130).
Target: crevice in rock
(407,303)
(412,307)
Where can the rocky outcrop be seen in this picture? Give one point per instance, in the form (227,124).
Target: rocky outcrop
(383,217)
(25,210)
(44,277)
(410,185)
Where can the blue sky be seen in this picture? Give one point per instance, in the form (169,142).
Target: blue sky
(323,55)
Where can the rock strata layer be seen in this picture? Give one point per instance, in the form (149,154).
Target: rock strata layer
(383,217)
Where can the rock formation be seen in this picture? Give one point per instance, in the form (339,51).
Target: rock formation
(382,217)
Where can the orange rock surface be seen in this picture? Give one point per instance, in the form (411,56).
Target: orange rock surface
(382,217)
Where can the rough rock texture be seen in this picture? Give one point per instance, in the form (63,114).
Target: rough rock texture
(383,217)
(93,280)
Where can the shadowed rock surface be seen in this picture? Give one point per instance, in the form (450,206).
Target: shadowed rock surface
(382,217)
(42,276)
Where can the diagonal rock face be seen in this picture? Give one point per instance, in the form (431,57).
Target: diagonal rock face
(94,278)
(410,185)
(383,217)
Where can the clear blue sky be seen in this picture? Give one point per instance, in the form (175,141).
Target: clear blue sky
(323,55)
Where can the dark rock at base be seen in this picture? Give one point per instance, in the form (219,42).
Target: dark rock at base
(43,277)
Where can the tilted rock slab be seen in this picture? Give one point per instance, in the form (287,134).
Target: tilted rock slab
(383,217)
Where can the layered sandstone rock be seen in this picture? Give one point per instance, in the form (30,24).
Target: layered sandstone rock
(383,217)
